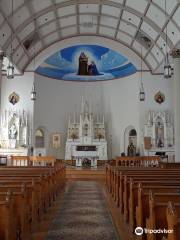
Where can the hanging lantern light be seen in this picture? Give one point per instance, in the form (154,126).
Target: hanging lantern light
(141,92)
(167,68)
(33,93)
(10,67)
(167,65)
(10,71)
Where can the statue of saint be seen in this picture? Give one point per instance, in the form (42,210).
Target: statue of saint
(92,69)
(13,132)
(83,64)
(131,150)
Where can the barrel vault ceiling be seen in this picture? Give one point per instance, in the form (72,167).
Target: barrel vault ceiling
(36,24)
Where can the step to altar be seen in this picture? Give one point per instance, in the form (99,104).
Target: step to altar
(85,173)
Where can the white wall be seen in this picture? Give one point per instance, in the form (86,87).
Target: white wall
(121,101)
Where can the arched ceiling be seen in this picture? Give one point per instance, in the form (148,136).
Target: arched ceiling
(36,24)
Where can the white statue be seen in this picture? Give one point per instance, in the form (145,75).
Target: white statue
(13,132)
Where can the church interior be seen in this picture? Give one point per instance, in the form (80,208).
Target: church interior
(89,119)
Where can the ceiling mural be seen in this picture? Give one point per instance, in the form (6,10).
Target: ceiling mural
(145,23)
(86,63)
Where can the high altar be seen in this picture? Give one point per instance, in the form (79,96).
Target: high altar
(14,133)
(86,138)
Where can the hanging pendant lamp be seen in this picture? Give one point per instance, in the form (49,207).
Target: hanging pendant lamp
(141,92)
(167,65)
(33,92)
(10,67)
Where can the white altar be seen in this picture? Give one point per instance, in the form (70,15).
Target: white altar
(86,140)
(14,133)
(159,128)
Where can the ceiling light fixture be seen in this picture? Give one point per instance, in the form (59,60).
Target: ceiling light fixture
(10,67)
(167,65)
(33,91)
(141,92)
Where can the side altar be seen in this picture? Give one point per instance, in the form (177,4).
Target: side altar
(86,139)
(14,133)
(159,134)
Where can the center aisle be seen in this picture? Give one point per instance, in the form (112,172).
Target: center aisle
(83,214)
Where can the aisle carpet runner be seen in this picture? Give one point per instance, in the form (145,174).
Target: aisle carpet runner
(83,215)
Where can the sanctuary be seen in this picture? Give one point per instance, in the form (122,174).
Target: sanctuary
(86,139)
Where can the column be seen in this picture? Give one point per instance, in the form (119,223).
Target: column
(1,62)
(176,55)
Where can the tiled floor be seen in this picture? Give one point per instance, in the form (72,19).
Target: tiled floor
(81,215)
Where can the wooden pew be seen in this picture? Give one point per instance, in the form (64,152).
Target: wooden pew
(41,185)
(158,216)
(123,183)
(114,179)
(170,165)
(139,161)
(126,193)
(20,160)
(112,174)
(7,219)
(120,186)
(42,160)
(173,220)
(21,208)
(136,197)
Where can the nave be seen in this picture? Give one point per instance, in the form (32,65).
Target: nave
(129,198)
(46,203)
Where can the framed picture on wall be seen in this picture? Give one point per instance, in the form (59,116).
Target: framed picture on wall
(56,140)
(147,143)
(13,98)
